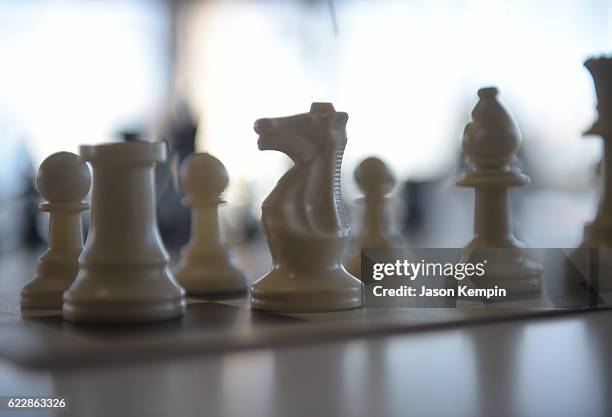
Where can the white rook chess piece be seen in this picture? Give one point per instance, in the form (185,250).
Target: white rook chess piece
(491,142)
(596,248)
(206,267)
(376,181)
(123,275)
(598,233)
(64,181)
(304,218)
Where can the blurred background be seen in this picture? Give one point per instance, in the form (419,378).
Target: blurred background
(198,73)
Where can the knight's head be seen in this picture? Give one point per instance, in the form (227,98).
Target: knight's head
(301,135)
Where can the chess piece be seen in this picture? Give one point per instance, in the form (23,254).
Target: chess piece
(587,270)
(206,267)
(491,142)
(174,217)
(376,182)
(598,233)
(123,275)
(64,181)
(304,218)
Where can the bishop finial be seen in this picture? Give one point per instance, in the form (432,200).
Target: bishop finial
(492,138)
(488,92)
(322,108)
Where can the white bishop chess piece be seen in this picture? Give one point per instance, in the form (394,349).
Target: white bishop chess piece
(123,270)
(491,142)
(376,181)
(304,217)
(206,267)
(64,181)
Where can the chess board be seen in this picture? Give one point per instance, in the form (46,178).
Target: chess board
(41,339)
(44,340)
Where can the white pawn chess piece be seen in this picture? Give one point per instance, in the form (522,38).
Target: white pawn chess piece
(304,218)
(491,142)
(64,181)
(206,267)
(376,181)
(123,270)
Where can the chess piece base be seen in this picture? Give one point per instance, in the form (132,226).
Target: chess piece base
(41,298)
(212,282)
(508,269)
(519,279)
(307,291)
(123,312)
(55,273)
(597,235)
(105,297)
(353,265)
(586,283)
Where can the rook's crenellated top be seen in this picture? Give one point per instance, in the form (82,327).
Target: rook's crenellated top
(601,71)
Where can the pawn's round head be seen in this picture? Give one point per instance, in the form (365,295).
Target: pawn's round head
(63,177)
(203,176)
(373,176)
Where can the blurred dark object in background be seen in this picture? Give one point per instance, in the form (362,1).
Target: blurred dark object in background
(413,196)
(241,221)
(172,216)
(74,71)
(179,134)
(131,135)
(18,196)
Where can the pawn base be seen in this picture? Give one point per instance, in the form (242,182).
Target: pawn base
(34,296)
(55,272)
(317,291)
(206,282)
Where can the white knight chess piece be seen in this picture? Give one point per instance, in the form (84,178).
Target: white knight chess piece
(304,217)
